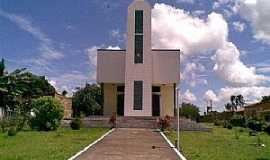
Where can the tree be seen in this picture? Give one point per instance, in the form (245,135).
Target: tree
(190,111)
(228,106)
(64,93)
(2,67)
(265,99)
(87,100)
(236,101)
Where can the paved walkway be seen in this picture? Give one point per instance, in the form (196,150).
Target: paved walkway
(130,144)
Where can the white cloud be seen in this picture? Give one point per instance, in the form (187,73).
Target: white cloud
(48,51)
(231,68)
(191,74)
(251,94)
(257,13)
(265,69)
(238,26)
(175,28)
(188,97)
(113,47)
(210,95)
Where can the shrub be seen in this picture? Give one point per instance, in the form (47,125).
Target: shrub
(76,123)
(47,112)
(12,131)
(217,123)
(4,124)
(229,126)
(225,124)
(238,121)
(255,125)
(164,123)
(267,129)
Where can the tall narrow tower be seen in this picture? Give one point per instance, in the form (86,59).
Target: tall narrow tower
(138,73)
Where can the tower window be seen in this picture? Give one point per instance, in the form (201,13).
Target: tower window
(138,21)
(138,55)
(138,95)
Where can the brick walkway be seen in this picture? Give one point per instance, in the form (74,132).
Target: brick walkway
(130,144)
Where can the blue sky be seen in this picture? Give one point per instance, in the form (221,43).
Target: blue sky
(225,47)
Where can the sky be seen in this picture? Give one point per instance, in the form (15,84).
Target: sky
(225,44)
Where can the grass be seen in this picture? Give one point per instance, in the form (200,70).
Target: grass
(56,145)
(222,144)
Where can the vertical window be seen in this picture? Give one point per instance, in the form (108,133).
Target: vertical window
(138,21)
(138,52)
(138,49)
(138,95)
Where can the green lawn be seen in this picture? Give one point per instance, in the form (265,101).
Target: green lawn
(57,145)
(221,144)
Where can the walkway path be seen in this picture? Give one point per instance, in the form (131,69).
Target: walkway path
(130,144)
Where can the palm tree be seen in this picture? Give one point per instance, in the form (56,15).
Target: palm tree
(240,100)
(233,102)
(228,107)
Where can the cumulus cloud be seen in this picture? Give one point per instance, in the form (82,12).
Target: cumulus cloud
(185,1)
(231,68)
(175,28)
(188,97)
(210,95)
(192,72)
(251,94)
(238,26)
(257,13)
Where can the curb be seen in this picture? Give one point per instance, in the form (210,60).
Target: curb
(90,145)
(173,147)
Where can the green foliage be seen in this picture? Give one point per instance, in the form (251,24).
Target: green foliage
(267,129)
(255,124)
(190,111)
(76,123)
(265,99)
(236,101)
(229,126)
(48,113)
(4,123)
(238,121)
(217,123)
(2,67)
(12,131)
(87,100)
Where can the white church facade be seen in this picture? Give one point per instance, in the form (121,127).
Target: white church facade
(138,81)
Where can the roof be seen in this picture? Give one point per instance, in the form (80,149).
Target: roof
(104,49)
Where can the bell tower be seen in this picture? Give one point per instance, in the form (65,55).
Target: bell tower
(138,62)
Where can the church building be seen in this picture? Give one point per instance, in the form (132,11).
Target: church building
(138,80)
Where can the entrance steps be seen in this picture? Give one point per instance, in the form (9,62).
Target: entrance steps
(138,122)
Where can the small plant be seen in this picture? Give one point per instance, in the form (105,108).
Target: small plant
(229,126)
(4,123)
(164,123)
(12,131)
(47,112)
(76,123)
(255,125)
(112,120)
(267,129)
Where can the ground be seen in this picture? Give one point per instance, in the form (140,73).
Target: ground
(221,144)
(131,144)
(56,145)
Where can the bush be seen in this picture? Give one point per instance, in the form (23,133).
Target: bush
(238,121)
(225,124)
(4,123)
(164,123)
(217,123)
(229,126)
(267,129)
(12,131)
(255,125)
(76,123)
(47,112)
